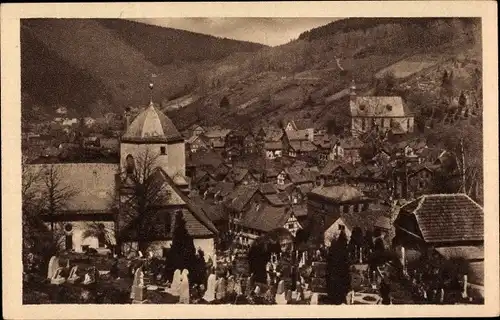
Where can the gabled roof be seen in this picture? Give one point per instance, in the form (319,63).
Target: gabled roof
(366,220)
(302,146)
(240,196)
(273,145)
(297,135)
(237,174)
(199,226)
(338,193)
(266,218)
(376,106)
(208,158)
(462,252)
(267,188)
(351,143)
(331,166)
(216,133)
(447,217)
(271,133)
(223,188)
(274,200)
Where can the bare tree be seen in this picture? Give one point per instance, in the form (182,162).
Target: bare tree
(143,195)
(56,194)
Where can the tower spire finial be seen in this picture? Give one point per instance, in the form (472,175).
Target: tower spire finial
(151,85)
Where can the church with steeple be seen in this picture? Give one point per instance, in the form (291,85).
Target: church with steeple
(151,147)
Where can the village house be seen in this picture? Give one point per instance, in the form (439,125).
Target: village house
(414,180)
(240,176)
(238,202)
(264,218)
(62,110)
(450,225)
(384,113)
(216,138)
(88,121)
(267,134)
(273,149)
(97,185)
(195,130)
(336,172)
(348,149)
(195,143)
(325,204)
(249,144)
(299,125)
(324,146)
(235,139)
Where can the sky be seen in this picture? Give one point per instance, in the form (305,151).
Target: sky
(268,31)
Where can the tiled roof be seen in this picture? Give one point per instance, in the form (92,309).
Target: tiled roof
(213,212)
(237,174)
(151,125)
(302,146)
(273,145)
(225,188)
(267,188)
(266,218)
(216,133)
(274,200)
(297,135)
(375,106)
(462,252)
(305,188)
(340,193)
(299,211)
(196,211)
(448,217)
(272,133)
(351,143)
(209,158)
(331,166)
(365,220)
(240,196)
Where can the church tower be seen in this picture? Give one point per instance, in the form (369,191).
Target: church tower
(153,136)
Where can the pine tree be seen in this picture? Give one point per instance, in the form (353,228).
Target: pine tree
(182,253)
(338,279)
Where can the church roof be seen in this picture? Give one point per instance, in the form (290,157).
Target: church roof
(151,125)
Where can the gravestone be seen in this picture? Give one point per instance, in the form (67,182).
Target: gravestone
(318,279)
(138,293)
(53,266)
(73,277)
(57,279)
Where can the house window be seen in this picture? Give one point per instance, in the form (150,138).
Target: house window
(356,208)
(408,124)
(290,226)
(101,237)
(130,165)
(363,124)
(365,206)
(346,209)
(163,150)
(69,242)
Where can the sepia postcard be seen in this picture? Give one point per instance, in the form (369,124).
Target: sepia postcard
(280,159)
